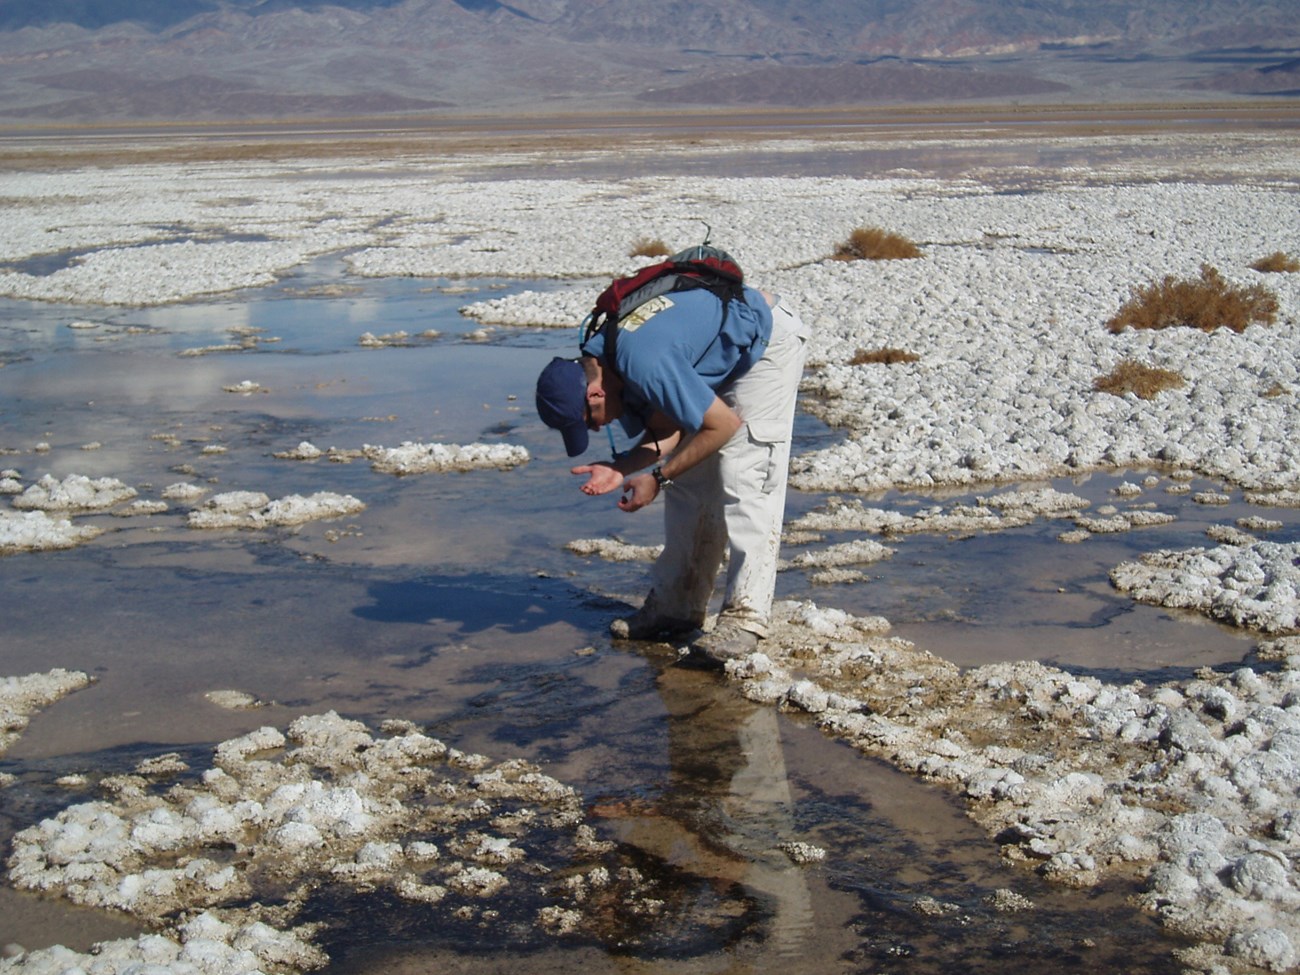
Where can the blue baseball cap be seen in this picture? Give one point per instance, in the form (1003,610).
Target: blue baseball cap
(562,402)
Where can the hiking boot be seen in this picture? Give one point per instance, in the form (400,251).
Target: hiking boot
(643,625)
(726,641)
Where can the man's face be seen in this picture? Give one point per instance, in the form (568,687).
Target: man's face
(604,405)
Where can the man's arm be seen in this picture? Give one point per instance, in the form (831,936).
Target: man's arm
(661,436)
(719,425)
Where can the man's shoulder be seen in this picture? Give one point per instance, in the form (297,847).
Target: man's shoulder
(666,319)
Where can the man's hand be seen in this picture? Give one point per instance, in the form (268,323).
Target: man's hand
(719,425)
(604,478)
(638,491)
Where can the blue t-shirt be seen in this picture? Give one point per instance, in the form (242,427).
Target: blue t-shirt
(675,352)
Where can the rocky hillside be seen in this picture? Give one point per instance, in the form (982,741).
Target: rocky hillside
(88,60)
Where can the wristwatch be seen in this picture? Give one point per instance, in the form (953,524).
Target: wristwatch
(657,473)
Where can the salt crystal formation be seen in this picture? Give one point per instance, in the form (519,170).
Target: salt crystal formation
(613,550)
(35,531)
(182,491)
(20,697)
(1256,585)
(233,700)
(996,512)
(426,458)
(989,513)
(76,492)
(1279,499)
(204,945)
(141,508)
(369,340)
(859,552)
(1194,785)
(252,509)
(31,529)
(327,805)
(306,450)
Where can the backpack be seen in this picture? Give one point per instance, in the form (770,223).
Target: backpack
(697,267)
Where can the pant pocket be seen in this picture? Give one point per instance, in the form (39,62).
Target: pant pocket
(767,442)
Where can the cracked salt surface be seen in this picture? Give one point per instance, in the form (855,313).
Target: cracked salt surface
(1189,784)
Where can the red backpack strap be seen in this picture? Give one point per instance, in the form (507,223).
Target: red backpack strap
(619,299)
(612,298)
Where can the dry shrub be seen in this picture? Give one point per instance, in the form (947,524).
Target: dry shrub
(874,244)
(1277,262)
(1133,377)
(886,356)
(1207,303)
(645,247)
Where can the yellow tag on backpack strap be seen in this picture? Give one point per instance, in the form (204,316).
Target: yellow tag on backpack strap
(642,313)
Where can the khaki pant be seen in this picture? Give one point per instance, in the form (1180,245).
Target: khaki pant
(733,502)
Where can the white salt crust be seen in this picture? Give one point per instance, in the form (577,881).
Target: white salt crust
(233,700)
(425,458)
(1254,585)
(74,493)
(417,458)
(614,550)
(253,509)
(21,697)
(988,513)
(31,529)
(35,531)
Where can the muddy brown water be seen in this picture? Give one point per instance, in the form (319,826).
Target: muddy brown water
(452,602)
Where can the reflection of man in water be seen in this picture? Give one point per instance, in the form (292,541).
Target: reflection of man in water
(728,805)
(708,385)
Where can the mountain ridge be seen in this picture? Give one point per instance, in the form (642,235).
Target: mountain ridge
(272,58)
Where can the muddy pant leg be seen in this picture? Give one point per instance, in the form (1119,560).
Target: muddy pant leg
(694,543)
(754,513)
(754,466)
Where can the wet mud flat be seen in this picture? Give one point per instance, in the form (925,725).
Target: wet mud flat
(450,608)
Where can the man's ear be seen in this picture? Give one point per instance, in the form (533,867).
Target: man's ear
(610,381)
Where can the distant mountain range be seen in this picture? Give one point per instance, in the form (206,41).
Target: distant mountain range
(122,60)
